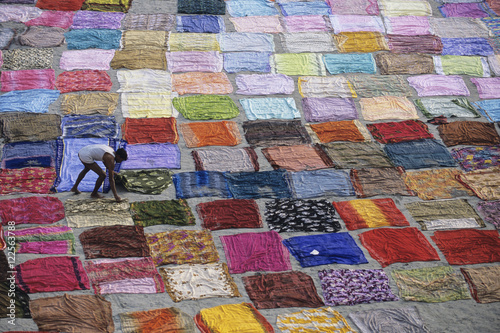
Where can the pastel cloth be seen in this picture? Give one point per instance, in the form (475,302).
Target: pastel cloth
(200,24)
(33,100)
(24,154)
(93,38)
(357,7)
(217,133)
(144,40)
(360,41)
(258,24)
(410,44)
(169,319)
(297,157)
(254,252)
(466,46)
(343,23)
(489,210)
(205,107)
(325,249)
(148,130)
(298,64)
(387,107)
(475,158)
(305,8)
(52,18)
(446,106)
(307,42)
(343,130)
(392,132)
(418,154)
(483,283)
(31,209)
(71,5)
(32,58)
(379,85)
(26,180)
(318,183)
(489,109)
(250,42)
(484,183)
(154,212)
(302,23)
(17,13)
(28,79)
(350,63)
(270,108)
(408,25)
(89,80)
(86,59)
(453,27)
(207,280)
(6,37)
(400,319)
(194,61)
(201,83)
(388,246)
(264,84)
(487,87)
(436,184)
(321,320)
(400,64)
(468,132)
(107,5)
(39,36)
(255,185)
(25,126)
(215,7)
(230,213)
(247,61)
(438,85)
(282,290)
(192,42)
(275,132)
(90,213)
(139,59)
(37,275)
(328,86)
(370,213)
(45,240)
(232,318)
(226,159)
(475,10)
(328,109)
(405,8)
(85,19)
(144,80)
(152,156)
(239,8)
(147,105)
(200,184)
(468,246)
(124,276)
(430,284)
(355,286)
(157,21)
(348,155)
(182,247)
(379,181)
(466,65)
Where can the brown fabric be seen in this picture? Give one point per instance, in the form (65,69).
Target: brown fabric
(355,155)
(282,290)
(162,22)
(4,267)
(103,103)
(413,63)
(484,283)
(41,36)
(138,59)
(275,132)
(469,133)
(297,158)
(379,181)
(30,127)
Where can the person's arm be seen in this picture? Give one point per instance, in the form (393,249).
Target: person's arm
(109,163)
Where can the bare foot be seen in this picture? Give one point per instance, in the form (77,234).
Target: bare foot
(96,196)
(75,191)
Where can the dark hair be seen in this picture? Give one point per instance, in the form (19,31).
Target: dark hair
(122,153)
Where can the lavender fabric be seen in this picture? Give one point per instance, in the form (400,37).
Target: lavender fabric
(490,212)
(86,19)
(473,10)
(201,23)
(86,59)
(152,156)
(81,39)
(194,61)
(266,84)
(438,85)
(246,41)
(247,61)
(487,87)
(328,109)
(33,100)
(466,46)
(355,286)
(19,13)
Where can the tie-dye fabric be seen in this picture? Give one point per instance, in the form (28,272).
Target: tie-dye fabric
(475,158)
(39,100)
(436,184)
(490,211)
(474,10)
(52,18)
(27,79)
(79,126)
(466,46)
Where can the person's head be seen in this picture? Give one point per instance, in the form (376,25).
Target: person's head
(121,155)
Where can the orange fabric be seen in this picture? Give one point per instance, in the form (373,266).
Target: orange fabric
(220,133)
(201,83)
(346,130)
(149,130)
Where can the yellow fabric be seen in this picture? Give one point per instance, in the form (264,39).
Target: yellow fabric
(405,8)
(150,105)
(193,42)
(387,107)
(144,39)
(322,320)
(360,41)
(370,213)
(228,318)
(103,103)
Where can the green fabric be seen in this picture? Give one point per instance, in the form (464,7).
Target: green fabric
(443,106)
(69,236)
(203,107)
(152,181)
(154,212)
(356,155)
(462,65)
(299,64)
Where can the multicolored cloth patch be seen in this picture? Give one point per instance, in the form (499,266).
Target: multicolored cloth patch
(476,158)
(45,240)
(149,181)
(436,184)
(27,180)
(90,213)
(150,320)
(490,211)
(319,320)
(484,183)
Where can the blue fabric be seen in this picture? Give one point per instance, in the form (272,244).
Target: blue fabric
(325,249)
(246,41)
(270,108)
(350,63)
(317,183)
(305,8)
(466,46)
(201,23)
(425,153)
(79,126)
(247,61)
(255,185)
(239,8)
(81,39)
(200,184)
(18,155)
(33,100)
(490,109)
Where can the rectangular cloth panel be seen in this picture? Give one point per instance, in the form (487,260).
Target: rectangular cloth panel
(25,154)
(405,8)
(400,319)
(484,183)
(227,214)
(207,280)
(40,100)
(303,23)
(305,8)
(201,83)
(462,65)
(152,156)
(318,183)
(489,210)
(282,290)
(483,283)
(349,155)
(19,13)
(114,242)
(329,86)
(86,19)
(258,24)
(446,106)
(350,63)
(462,27)
(182,247)
(147,105)
(86,59)
(31,210)
(377,85)
(154,212)
(32,58)
(487,87)
(87,79)
(476,158)
(148,130)
(17,127)
(264,84)
(139,59)
(71,5)
(73,312)
(250,42)
(370,182)
(78,126)
(102,103)
(466,46)
(325,249)
(351,23)
(355,286)
(40,36)
(166,319)
(105,39)
(354,7)
(200,24)
(214,7)
(474,10)
(297,157)
(468,132)
(157,21)
(50,18)
(239,8)
(410,44)
(124,276)
(275,133)
(418,154)
(205,107)
(144,80)
(401,64)
(226,159)
(28,79)
(235,62)
(192,42)
(45,240)
(387,107)
(147,181)
(307,42)
(408,25)
(217,133)
(270,108)
(360,41)
(314,321)
(107,5)
(298,64)
(255,251)
(89,213)
(430,284)
(388,246)
(296,215)
(392,132)
(201,184)
(436,184)
(144,40)
(468,246)
(194,61)
(343,130)
(37,275)
(370,213)
(256,185)
(27,180)
(328,109)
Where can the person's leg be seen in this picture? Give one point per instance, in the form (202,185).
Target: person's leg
(82,175)
(102,175)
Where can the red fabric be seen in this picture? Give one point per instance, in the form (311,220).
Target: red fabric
(65,5)
(231,213)
(149,130)
(392,132)
(3,245)
(387,245)
(468,246)
(89,79)
(27,180)
(41,210)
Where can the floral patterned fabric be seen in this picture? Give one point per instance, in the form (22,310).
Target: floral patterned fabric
(27,180)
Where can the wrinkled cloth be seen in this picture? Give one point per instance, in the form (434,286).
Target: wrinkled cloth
(102,103)
(269,108)
(32,58)
(194,61)
(317,183)
(407,25)
(400,64)
(307,42)
(250,42)
(39,36)
(379,85)
(154,212)
(45,240)
(200,184)
(81,126)
(27,79)
(144,40)
(20,298)
(489,109)
(6,37)
(487,87)
(328,86)
(360,41)
(303,23)
(86,59)
(305,8)
(484,183)
(405,8)
(255,185)
(105,39)
(27,180)
(235,62)
(104,212)
(462,65)
(107,5)
(156,21)
(89,80)
(387,107)
(205,107)
(415,44)
(239,8)
(418,154)
(436,184)
(214,7)
(446,106)
(226,159)
(468,132)
(298,64)
(200,23)
(192,42)
(328,109)
(85,19)
(149,130)
(321,320)
(264,84)
(343,130)
(201,134)
(483,283)
(490,211)
(201,83)
(466,46)
(19,13)
(474,10)
(62,5)
(33,100)
(463,27)
(166,319)
(31,209)
(354,7)
(230,213)
(393,132)
(52,18)
(150,181)
(438,85)
(275,132)
(144,80)
(152,156)
(147,105)
(25,154)
(30,127)
(350,63)
(379,181)
(139,59)
(348,155)
(297,157)
(476,158)
(405,319)
(343,23)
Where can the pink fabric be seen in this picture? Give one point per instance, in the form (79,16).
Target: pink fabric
(408,25)
(52,18)
(264,24)
(438,85)
(86,59)
(298,23)
(52,247)
(91,80)
(194,61)
(354,7)
(31,210)
(487,87)
(28,79)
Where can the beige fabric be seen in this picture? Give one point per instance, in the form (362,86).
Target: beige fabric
(103,103)
(102,212)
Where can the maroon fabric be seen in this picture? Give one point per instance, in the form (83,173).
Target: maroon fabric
(41,210)
(392,132)
(231,213)
(63,5)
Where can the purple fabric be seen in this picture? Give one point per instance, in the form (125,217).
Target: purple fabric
(438,85)
(85,19)
(355,286)
(266,84)
(299,23)
(467,46)
(490,212)
(328,109)
(28,79)
(408,25)
(152,156)
(51,18)
(473,10)
(487,87)
(194,61)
